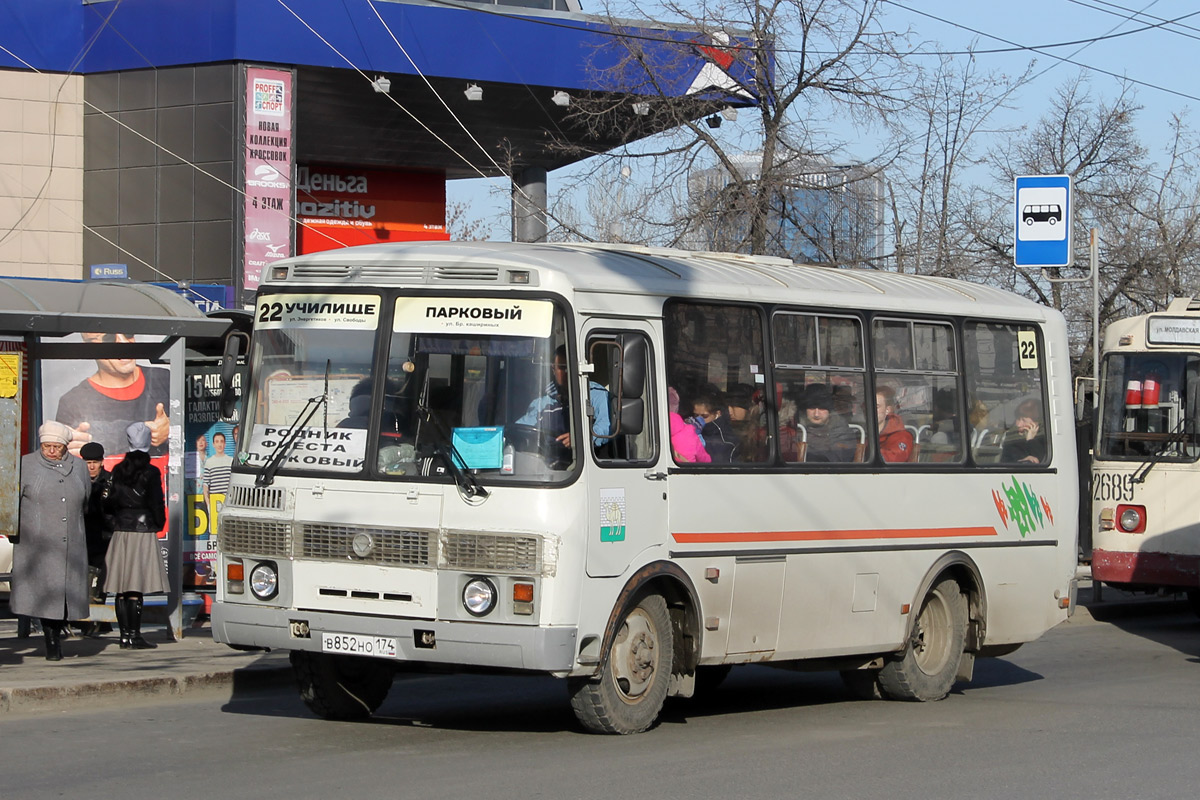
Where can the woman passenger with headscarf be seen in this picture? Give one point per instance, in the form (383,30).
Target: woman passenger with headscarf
(50,560)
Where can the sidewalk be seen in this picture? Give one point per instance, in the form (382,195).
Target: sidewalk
(97,670)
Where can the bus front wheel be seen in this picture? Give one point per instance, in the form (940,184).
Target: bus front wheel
(927,668)
(341,687)
(629,692)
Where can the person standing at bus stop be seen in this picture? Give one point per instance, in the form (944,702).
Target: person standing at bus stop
(134,564)
(96,521)
(50,554)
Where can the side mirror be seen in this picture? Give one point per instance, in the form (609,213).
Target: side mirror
(633,415)
(633,366)
(227,402)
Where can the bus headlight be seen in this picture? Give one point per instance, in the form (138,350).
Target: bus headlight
(479,597)
(264,580)
(1131,519)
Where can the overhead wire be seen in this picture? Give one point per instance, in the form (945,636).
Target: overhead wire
(1081,65)
(518,188)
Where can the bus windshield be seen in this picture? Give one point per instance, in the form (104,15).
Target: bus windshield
(1151,406)
(468,379)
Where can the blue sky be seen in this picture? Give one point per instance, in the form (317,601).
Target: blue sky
(1164,60)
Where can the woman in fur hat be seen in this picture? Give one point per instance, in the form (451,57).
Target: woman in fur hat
(50,554)
(133,564)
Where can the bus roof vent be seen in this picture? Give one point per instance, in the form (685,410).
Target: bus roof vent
(1181,304)
(394,273)
(466,273)
(320,272)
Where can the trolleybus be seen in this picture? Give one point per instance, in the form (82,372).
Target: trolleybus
(1147,533)
(464,455)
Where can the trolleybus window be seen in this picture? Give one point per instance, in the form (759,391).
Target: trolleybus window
(1151,405)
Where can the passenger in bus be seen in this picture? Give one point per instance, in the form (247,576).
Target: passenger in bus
(895,441)
(944,425)
(745,419)
(551,413)
(829,439)
(1026,442)
(720,440)
(686,445)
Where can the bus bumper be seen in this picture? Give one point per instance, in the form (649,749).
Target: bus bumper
(477,644)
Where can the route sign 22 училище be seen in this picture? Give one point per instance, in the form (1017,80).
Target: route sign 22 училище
(1043,221)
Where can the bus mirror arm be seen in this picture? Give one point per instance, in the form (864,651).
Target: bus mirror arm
(227,401)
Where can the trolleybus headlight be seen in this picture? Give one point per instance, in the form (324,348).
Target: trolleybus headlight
(264,580)
(479,597)
(1131,519)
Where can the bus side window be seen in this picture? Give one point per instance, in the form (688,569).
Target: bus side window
(1005,387)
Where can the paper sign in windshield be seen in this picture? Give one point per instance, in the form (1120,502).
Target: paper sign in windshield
(481,315)
(344,311)
(333,450)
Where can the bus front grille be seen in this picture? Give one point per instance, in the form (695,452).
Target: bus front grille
(261,497)
(387,545)
(254,536)
(489,552)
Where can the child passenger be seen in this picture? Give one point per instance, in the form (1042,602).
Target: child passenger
(686,445)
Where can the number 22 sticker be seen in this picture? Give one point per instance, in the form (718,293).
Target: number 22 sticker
(1027,349)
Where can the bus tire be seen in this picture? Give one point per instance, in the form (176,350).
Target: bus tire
(927,668)
(341,687)
(628,694)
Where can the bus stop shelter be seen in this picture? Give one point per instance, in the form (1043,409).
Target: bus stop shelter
(37,320)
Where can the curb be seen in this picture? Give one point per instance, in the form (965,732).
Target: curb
(234,683)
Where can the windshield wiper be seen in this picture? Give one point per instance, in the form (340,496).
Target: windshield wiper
(266,475)
(1176,436)
(465,479)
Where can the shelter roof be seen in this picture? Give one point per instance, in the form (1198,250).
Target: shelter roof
(56,308)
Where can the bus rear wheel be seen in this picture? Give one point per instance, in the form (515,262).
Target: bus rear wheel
(629,692)
(927,668)
(341,687)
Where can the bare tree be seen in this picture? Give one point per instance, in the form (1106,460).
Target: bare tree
(948,115)
(1147,214)
(801,60)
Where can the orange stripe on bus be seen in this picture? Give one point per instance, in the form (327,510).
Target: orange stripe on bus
(820,536)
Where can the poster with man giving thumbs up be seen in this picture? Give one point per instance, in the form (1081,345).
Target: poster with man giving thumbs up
(99,400)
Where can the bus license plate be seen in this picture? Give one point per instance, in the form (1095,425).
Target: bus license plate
(354,644)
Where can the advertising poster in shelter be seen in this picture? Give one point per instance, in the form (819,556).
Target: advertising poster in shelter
(115,402)
(208,448)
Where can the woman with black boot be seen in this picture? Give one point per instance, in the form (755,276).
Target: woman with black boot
(50,552)
(133,564)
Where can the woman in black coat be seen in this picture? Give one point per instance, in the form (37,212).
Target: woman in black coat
(134,566)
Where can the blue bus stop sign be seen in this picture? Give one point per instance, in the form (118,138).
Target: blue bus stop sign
(1043,221)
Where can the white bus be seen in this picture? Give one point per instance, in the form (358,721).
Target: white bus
(461,455)
(1146,534)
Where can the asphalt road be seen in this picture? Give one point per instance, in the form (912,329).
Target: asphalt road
(1100,707)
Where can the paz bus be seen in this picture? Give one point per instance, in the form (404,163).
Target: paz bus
(461,456)
(1146,534)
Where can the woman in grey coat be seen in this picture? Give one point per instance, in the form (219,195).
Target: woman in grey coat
(50,556)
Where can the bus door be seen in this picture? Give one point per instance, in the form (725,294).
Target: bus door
(627,506)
